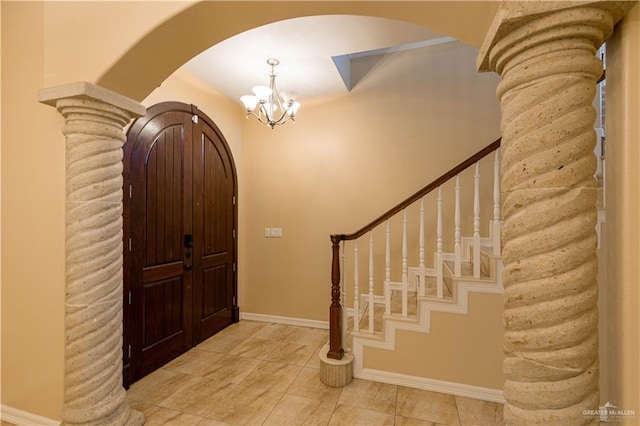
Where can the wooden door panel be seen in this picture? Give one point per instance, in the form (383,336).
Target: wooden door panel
(163,319)
(216,226)
(161,272)
(163,331)
(214,218)
(160,181)
(163,175)
(215,302)
(214,295)
(164,290)
(212,260)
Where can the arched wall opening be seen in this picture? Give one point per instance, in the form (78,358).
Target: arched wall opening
(211,22)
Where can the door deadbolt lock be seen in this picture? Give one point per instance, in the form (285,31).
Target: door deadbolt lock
(188,243)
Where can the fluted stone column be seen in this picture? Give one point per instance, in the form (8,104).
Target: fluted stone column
(93,129)
(545,54)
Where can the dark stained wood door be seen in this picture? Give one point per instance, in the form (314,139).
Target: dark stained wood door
(179,233)
(214,234)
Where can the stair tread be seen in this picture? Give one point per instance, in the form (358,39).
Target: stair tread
(378,320)
(430,290)
(488,251)
(396,302)
(466,269)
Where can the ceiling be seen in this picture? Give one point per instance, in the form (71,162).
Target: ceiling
(308,49)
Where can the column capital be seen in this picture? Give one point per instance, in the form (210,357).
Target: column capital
(89,91)
(513,15)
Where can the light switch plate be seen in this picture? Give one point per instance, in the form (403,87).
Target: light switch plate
(276,232)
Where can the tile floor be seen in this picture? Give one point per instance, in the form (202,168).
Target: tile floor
(255,373)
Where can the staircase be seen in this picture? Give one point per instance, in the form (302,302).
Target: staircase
(419,304)
(379,288)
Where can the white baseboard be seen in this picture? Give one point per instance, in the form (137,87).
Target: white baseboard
(300,322)
(24,418)
(441,386)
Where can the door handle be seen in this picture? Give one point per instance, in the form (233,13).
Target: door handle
(188,267)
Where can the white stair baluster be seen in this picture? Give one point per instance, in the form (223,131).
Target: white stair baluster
(476,223)
(439,277)
(356,289)
(405,275)
(387,271)
(421,253)
(457,237)
(371,297)
(495,231)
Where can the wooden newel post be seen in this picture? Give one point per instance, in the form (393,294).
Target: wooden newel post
(335,311)
(336,367)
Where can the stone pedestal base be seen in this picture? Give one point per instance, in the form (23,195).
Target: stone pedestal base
(333,372)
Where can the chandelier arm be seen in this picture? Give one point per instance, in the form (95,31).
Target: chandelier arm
(263,118)
(283,118)
(251,113)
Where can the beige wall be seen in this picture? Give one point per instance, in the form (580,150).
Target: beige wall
(622,294)
(348,160)
(82,39)
(0,187)
(0,191)
(473,358)
(32,221)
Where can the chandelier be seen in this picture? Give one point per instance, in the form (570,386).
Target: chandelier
(267,104)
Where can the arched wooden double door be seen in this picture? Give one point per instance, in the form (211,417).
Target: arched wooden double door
(180,247)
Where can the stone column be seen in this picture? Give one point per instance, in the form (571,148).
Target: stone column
(545,54)
(93,129)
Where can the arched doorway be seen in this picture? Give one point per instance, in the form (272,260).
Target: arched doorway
(137,85)
(212,22)
(180,222)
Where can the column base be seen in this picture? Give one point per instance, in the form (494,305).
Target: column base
(121,416)
(333,372)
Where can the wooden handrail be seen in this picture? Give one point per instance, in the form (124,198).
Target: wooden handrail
(421,193)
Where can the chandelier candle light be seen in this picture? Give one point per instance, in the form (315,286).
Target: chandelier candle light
(267,104)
